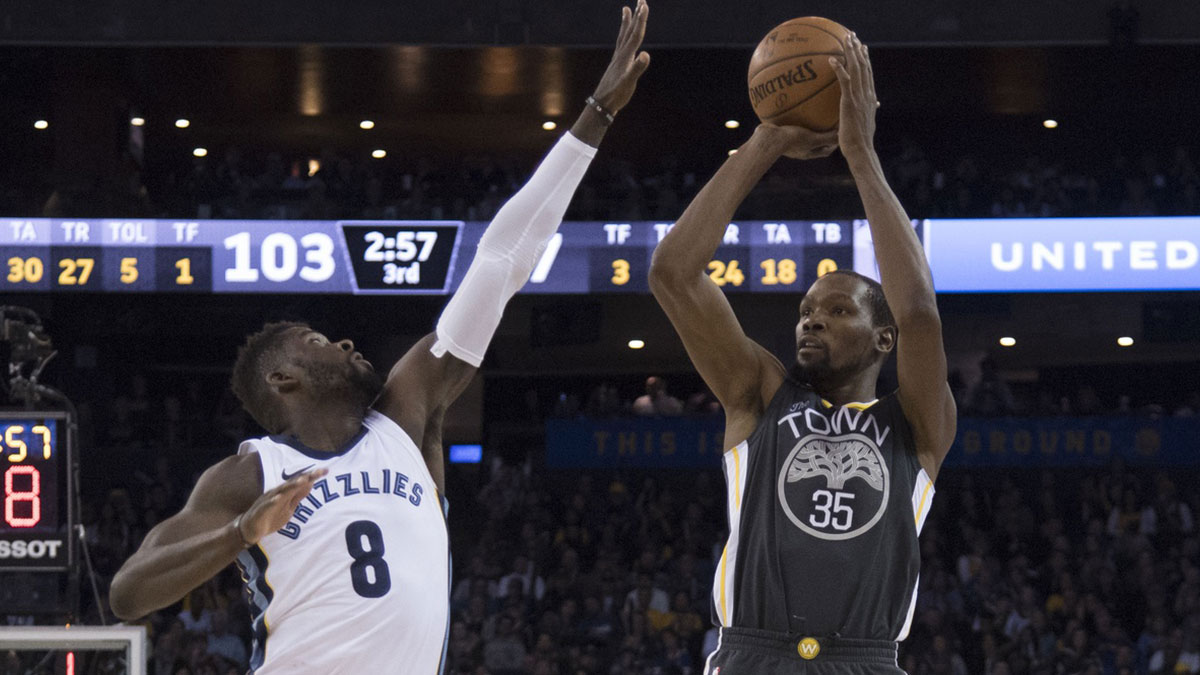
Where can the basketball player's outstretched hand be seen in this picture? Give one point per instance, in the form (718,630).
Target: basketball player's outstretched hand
(272,510)
(627,64)
(856,127)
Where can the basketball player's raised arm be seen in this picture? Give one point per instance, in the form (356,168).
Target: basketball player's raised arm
(226,513)
(435,371)
(903,270)
(742,374)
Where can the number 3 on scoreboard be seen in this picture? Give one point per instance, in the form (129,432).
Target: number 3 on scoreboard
(620,275)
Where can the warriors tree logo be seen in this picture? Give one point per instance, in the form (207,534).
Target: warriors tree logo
(835,486)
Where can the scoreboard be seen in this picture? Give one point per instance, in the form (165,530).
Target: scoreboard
(394,257)
(404,257)
(35,466)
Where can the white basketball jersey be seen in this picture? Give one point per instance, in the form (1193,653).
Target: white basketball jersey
(358,580)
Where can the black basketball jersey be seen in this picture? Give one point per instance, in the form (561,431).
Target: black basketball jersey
(825,506)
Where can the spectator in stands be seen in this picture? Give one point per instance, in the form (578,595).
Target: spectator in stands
(991,396)
(597,625)
(504,654)
(196,617)
(523,578)
(656,402)
(225,644)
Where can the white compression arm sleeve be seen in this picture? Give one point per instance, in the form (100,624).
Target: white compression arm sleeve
(508,251)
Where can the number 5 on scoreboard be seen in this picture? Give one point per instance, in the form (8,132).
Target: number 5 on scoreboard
(16,444)
(129,270)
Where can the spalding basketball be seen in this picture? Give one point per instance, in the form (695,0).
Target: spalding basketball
(791,81)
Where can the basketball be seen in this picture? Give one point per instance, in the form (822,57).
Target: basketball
(790,79)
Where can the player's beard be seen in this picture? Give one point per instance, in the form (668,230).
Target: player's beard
(360,386)
(813,373)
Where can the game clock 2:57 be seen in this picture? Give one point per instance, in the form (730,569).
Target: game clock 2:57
(413,257)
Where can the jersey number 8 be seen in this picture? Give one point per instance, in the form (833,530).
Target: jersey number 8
(369,571)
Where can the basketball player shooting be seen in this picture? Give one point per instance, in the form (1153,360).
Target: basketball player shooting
(828,485)
(337,518)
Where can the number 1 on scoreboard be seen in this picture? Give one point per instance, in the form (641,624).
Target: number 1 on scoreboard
(185,278)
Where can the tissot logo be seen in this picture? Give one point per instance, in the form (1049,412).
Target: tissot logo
(36,549)
(1104,255)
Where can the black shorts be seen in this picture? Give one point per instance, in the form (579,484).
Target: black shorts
(745,651)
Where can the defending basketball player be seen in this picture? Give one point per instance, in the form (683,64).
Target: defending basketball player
(337,519)
(828,484)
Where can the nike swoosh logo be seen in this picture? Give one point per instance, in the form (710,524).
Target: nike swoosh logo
(289,476)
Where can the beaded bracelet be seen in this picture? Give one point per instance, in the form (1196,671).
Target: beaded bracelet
(595,105)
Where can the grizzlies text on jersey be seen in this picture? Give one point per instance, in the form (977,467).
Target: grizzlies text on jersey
(825,506)
(358,579)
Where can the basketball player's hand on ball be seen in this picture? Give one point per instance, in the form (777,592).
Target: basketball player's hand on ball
(798,142)
(627,64)
(856,128)
(275,507)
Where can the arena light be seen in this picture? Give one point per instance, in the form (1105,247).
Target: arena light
(732,124)
(138,121)
(1008,341)
(183,123)
(41,125)
(1050,124)
(200,152)
(366,124)
(636,344)
(314,165)
(379,154)
(1125,341)
(549,125)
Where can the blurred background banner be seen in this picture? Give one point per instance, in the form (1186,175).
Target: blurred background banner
(639,442)
(665,443)
(1078,442)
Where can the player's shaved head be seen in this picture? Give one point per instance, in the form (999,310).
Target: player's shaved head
(263,352)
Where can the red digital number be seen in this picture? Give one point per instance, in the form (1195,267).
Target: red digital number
(33,495)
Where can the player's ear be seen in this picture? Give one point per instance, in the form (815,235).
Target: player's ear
(283,379)
(885,338)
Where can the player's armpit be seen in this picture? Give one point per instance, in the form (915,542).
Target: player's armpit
(742,374)
(420,385)
(924,391)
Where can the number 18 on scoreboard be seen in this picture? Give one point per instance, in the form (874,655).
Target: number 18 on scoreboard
(37,518)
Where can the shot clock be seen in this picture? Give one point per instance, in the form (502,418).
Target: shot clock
(35,469)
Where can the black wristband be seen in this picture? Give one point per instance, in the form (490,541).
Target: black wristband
(595,105)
